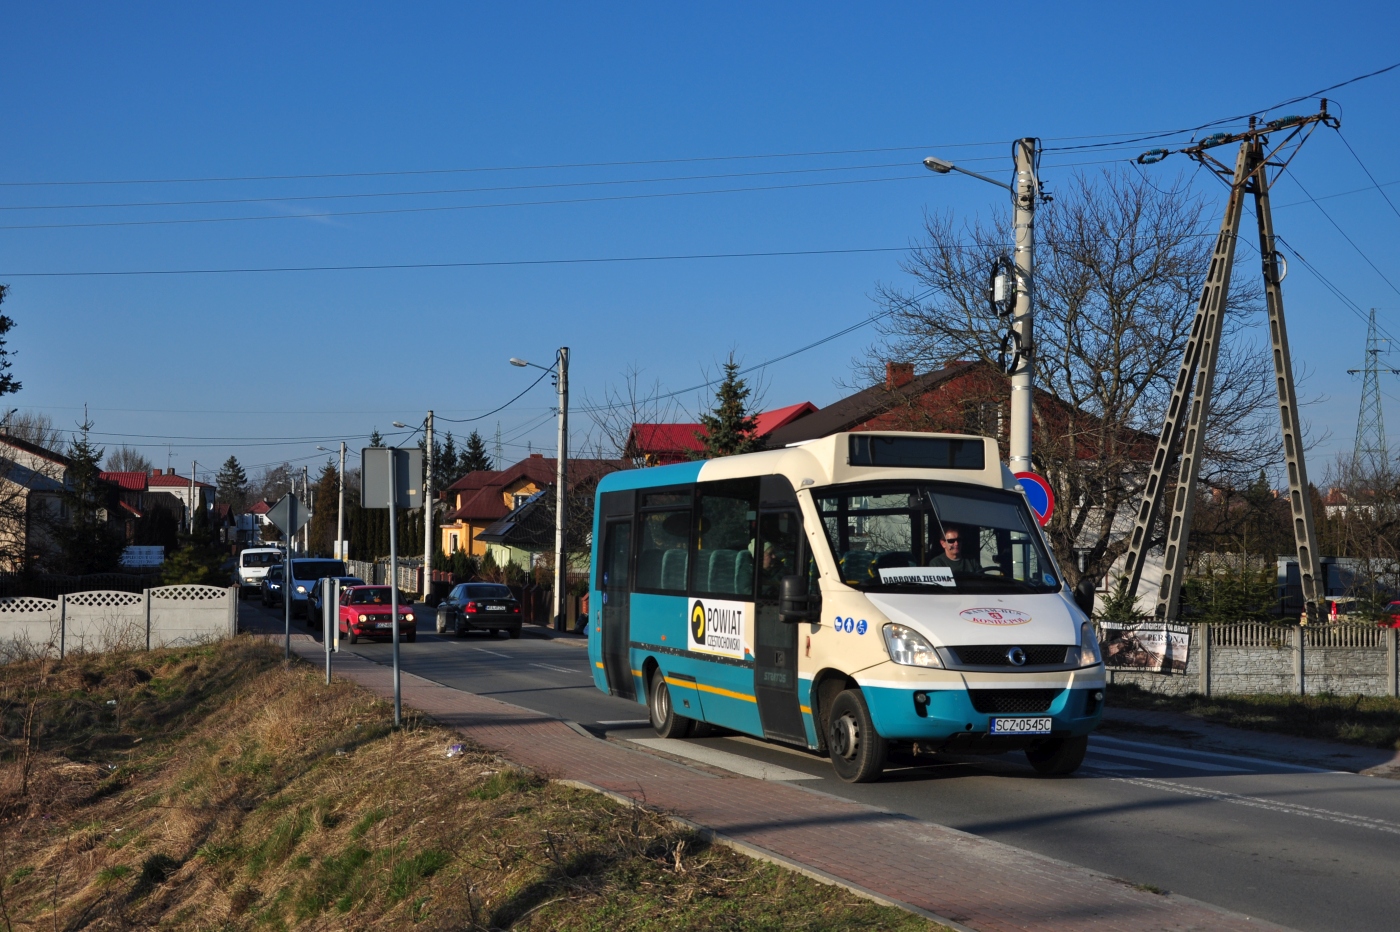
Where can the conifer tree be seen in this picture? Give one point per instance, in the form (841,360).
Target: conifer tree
(474,456)
(375,440)
(8,385)
(86,542)
(233,485)
(729,427)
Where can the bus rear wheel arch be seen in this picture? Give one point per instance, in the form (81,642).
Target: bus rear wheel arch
(858,752)
(662,711)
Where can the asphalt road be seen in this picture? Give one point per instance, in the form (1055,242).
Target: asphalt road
(1308,849)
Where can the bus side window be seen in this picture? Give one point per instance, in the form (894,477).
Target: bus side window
(723,559)
(662,551)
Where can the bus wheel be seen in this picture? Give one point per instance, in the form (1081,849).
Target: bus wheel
(663,715)
(1058,756)
(857,751)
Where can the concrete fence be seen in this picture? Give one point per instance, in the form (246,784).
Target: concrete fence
(1255,657)
(167,616)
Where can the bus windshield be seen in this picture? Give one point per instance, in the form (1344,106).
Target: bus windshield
(912,536)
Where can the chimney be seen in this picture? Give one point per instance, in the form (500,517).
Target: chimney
(536,456)
(898,374)
(170,471)
(155,472)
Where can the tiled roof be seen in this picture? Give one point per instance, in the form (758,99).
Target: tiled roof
(769,421)
(680,440)
(35,449)
(130,481)
(488,502)
(170,481)
(260,508)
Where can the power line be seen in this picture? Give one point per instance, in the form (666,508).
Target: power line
(468,420)
(1349,240)
(1377,185)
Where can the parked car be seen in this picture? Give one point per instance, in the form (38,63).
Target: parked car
(479,606)
(272,586)
(1390,615)
(253,565)
(313,616)
(307,572)
(365,613)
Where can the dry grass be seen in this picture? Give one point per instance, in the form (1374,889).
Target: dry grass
(222,791)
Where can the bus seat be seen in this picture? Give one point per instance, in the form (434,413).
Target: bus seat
(649,569)
(857,566)
(722,571)
(894,558)
(743,573)
(673,570)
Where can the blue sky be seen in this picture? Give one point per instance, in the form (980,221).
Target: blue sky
(94,92)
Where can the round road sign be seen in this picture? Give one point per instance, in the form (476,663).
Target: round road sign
(1038,495)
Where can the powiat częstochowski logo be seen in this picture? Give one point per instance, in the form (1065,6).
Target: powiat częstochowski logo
(718,627)
(697,623)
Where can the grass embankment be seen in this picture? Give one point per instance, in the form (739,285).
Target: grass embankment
(1371,721)
(211,788)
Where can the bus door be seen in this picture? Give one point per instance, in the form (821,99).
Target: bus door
(778,553)
(615,617)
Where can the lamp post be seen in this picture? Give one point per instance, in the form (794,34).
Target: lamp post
(1024,195)
(561,575)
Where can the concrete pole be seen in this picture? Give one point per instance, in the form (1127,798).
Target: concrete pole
(428,508)
(193,465)
(394,577)
(1023,380)
(306,529)
(561,480)
(340,513)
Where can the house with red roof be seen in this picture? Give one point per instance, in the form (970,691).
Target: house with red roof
(141,491)
(661,444)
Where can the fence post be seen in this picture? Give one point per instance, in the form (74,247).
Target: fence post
(146,599)
(1203,658)
(1299,639)
(62,624)
(1391,674)
(233,597)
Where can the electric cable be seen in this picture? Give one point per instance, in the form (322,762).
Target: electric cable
(468,420)
(1374,182)
(1349,240)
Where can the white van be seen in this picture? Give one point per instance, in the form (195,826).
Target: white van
(252,567)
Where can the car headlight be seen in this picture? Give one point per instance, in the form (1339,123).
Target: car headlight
(909,647)
(408,616)
(1088,645)
(364,618)
(301,589)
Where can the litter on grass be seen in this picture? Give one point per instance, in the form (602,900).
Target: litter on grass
(454,751)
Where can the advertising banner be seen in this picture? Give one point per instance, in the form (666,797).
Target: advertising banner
(1148,647)
(719,627)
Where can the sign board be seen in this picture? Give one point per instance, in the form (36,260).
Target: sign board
(374,477)
(289,515)
(1149,647)
(1039,496)
(143,556)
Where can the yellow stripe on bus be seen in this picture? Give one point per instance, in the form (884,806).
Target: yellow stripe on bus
(711,689)
(637,673)
(805,710)
(598,664)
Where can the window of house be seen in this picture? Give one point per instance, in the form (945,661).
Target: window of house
(452,543)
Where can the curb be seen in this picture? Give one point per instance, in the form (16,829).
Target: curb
(763,854)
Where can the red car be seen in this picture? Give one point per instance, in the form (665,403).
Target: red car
(365,613)
(1390,616)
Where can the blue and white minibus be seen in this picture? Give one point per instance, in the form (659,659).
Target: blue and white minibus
(843,595)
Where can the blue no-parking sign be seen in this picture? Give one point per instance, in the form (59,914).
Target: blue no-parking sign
(1038,495)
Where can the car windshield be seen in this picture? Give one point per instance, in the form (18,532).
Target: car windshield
(263,558)
(488,591)
(315,569)
(934,536)
(374,595)
(275,572)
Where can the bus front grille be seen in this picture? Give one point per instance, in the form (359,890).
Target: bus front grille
(994,655)
(1012,701)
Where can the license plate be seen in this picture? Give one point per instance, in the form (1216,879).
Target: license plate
(384,624)
(495,608)
(1021,726)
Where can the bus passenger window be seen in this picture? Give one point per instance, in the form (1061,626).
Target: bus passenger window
(662,551)
(723,562)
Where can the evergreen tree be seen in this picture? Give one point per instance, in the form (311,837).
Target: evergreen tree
(86,542)
(474,457)
(729,427)
(445,462)
(8,385)
(233,485)
(374,439)
(323,519)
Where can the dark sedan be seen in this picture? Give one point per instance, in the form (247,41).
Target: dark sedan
(479,606)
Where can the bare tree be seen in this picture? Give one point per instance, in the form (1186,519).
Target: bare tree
(127,459)
(1120,265)
(37,428)
(623,407)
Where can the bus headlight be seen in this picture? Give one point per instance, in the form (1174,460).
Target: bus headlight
(1088,645)
(909,647)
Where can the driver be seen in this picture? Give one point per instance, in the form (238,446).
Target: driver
(952,555)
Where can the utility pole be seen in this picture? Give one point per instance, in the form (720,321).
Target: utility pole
(1023,321)
(340,513)
(306,497)
(1184,427)
(193,465)
(561,565)
(1371,457)
(428,508)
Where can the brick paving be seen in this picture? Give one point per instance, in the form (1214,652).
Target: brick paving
(974,882)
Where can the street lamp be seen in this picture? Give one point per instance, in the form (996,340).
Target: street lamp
(561,374)
(1022,360)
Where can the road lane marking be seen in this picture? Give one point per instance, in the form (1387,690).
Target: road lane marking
(1100,740)
(1256,802)
(626,721)
(491,652)
(1113,766)
(562,670)
(1173,761)
(744,766)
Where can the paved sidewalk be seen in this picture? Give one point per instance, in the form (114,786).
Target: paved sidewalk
(972,882)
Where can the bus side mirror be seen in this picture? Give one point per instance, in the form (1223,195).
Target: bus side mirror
(794,605)
(1084,596)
